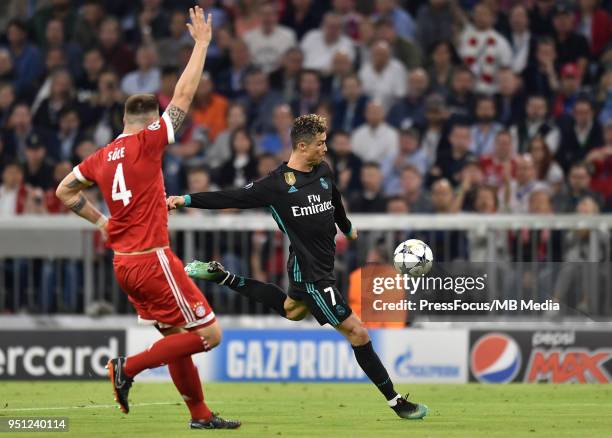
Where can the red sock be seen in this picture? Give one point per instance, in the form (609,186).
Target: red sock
(165,351)
(187,380)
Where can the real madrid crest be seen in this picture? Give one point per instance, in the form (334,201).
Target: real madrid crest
(289,178)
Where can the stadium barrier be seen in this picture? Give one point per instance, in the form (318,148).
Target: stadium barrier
(57,264)
(450,355)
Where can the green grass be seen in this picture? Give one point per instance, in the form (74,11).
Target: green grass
(330,410)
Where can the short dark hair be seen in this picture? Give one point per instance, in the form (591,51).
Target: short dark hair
(140,105)
(305,128)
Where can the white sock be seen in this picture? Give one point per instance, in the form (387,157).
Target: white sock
(393,401)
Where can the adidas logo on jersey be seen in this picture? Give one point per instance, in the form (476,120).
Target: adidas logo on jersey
(292,189)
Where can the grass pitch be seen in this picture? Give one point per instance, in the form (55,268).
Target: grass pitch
(317,410)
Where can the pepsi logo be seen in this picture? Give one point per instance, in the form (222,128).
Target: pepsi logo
(495,358)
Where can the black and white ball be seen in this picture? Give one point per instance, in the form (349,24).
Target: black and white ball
(413,257)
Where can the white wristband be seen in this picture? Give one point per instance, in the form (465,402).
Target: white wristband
(102,220)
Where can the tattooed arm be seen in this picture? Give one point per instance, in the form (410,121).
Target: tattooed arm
(201,32)
(70,192)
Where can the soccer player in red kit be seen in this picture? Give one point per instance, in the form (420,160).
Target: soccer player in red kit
(128,173)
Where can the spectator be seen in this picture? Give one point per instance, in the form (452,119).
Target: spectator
(514,196)
(177,38)
(230,80)
(87,26)
(62,94)
(571,47)
(285,79)
(383,77)
(579,134)
(116,54)
(350,17)
(13,192)
(375,140)
(58,10)
(168,80)
(568,91)
(198,180)
(259,101)
(301,16)
(83,150)
(26,58)
(502,161)
(7,100)
(7,73)
(486,128)
(346,165)
(69,133)
(278,143)
(461,101)
(470,177)
(371,198)
(19,128)
(341,68)
(449,164)
(441,67)
(38,168)
(147,79)
(52,204)
(404,50)
(209,108)
(409,153)
(309,95)
(320,45)
(349,110)
(242,164)
(442,197)
(404,24)
(547,169)
(151,20)
(434,130)
(220,151)
(107,109)
(540,76)
(510,100)
(595,25)
(601,160)
(521,39)
(93,65)
(484,50)
(397,205)
(437,20)
(540,18)
(269,42)
(536,124)
(578,186)
(55,39)
(417,198)
(410,110)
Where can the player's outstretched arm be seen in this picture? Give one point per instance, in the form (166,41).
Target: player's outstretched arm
(253,195)
(201,32)
(70,193)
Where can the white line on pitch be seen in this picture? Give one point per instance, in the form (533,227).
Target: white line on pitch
(59,408)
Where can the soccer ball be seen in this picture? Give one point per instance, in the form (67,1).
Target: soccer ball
(413,257)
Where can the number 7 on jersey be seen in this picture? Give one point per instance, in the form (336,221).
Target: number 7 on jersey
(120,191)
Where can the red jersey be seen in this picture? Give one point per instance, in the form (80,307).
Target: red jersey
(128,173)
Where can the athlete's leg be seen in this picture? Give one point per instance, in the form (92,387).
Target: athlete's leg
(185,377)
(268,294)
(352,328)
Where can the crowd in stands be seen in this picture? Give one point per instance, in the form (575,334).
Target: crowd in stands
(433,106)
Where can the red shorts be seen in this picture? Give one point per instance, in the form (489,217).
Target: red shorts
(161,291)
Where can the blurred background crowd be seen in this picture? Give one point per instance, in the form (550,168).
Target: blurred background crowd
(433,106)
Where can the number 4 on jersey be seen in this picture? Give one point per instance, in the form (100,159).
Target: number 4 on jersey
(120,191)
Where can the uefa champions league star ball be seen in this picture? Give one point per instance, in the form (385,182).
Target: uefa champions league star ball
(413,257)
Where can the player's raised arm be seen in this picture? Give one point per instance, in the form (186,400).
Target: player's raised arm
(70,193)
(201,32)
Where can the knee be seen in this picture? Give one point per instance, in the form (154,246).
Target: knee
(358,335)
(296,314)
(211,334)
